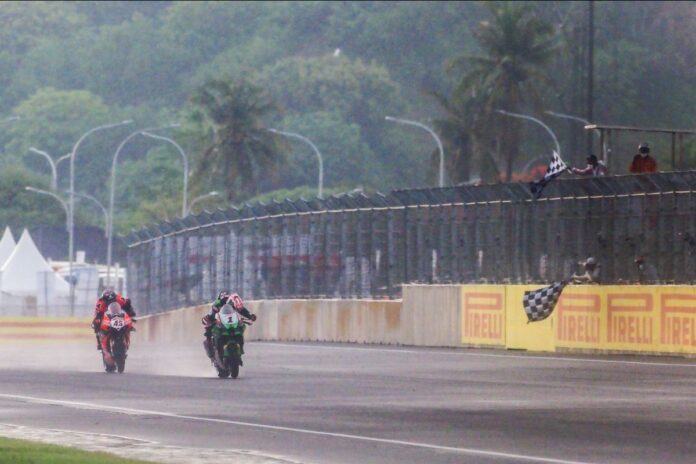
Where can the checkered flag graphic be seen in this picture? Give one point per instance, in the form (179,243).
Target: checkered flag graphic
(555,169)
(539,304)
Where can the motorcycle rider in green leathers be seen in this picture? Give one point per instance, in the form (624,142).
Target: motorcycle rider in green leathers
(209,319)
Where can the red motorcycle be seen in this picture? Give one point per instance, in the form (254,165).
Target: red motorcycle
(116,327)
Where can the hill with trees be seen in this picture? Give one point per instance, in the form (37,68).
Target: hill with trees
(331,71)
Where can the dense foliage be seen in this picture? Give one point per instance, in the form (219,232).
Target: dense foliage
(331,71)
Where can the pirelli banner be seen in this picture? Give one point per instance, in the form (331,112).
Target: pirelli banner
(648,319)
(483,315)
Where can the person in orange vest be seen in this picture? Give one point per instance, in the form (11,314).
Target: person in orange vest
(643,162)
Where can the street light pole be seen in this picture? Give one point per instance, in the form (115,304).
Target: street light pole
(568,116)
(112,197)
(186,165)
(72,204)
(62,158)
(548,129)
(54,172)
(199,198)
(59,199)
(316,151)
(435,136)
(103,209)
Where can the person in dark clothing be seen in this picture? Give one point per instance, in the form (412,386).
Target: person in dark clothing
(591,272)
(643,162)
(594,168)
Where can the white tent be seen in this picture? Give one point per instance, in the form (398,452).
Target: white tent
(7,245)
(25,268)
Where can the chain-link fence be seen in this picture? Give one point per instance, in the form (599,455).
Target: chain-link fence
(354,246)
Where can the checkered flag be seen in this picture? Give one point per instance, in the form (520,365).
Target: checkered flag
(556,167)
(539,304)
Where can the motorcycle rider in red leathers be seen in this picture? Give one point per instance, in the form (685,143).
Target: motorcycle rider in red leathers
(209,319)
(105,324)
(109,296)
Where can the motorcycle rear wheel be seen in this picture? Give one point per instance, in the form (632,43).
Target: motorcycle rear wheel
(232,362)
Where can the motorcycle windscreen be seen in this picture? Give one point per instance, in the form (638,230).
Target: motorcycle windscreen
(228,317)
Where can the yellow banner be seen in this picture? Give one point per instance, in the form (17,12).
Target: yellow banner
(483,315)
(646,319)
(521,335)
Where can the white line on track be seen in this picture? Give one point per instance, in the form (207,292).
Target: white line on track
(530,357)
(141,412)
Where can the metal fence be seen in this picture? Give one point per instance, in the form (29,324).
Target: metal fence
(355,246)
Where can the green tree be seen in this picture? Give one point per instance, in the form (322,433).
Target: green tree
(348,160)
(22,208)
(361,94)
(123,70)
(516,47)
(156,180)
(243,152)
(24,25)
(53,120)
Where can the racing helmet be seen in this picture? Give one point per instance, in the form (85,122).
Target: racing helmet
(223,294)
(236,301)
(109,295)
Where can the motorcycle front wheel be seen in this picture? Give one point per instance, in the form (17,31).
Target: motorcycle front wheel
(232,361)
(119,351)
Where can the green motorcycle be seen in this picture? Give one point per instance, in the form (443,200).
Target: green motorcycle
(228,332)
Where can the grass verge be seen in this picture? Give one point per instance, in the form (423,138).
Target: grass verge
(28,452)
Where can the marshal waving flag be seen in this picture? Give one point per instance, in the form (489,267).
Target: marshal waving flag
(555,169)
(539,304)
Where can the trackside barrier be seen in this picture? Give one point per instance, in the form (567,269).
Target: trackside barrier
(429,317)
(588,318)
(361,321)
(33,329)
(613,318)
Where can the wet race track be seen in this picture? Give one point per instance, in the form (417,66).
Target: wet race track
(325,403)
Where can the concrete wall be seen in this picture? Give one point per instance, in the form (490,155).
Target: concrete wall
(430,316)
(361,321)
(603,319)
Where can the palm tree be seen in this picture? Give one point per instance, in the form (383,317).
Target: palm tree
(242,151)
(516,46)
(454,131)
